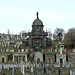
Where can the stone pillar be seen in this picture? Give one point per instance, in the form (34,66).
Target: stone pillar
(13,58)
(25,57)
(23,70)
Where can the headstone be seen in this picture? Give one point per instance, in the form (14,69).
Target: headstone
(74,72)
(15,46)
(60,72)
(6,50)
(23,70)
(13,71)
(48,72)
(8,67)
(64,66)
(44,69)
(32,69)
(22,50)
(70,72)
(53,68)
(27,50)
(41,64)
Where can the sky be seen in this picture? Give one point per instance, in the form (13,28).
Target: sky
(18,15)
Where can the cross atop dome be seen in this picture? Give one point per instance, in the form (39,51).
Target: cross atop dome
(37,15)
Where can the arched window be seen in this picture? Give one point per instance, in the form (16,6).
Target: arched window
(38,60)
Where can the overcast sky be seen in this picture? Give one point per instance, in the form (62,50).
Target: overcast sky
(18,15)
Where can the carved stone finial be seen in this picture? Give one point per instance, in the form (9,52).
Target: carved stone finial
(37,15)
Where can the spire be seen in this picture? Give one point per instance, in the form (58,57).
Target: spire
(37,15)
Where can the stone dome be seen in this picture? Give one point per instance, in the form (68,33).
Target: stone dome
(37,21)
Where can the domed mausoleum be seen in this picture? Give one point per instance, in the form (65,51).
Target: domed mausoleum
(38,37)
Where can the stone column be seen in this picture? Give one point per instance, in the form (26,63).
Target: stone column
(13,57)
(23,70)
(25,57)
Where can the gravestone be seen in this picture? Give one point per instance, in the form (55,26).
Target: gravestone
(64,66)
(13,71)
(32,69)
(27,50)
(70,72)
(48,72)
(35,71)
(44,69)
(22,67)
(60,72)
(74,72)
(41,64)
(23,70)
(53,68)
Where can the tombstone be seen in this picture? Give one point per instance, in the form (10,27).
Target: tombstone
(13,71)
(6,50)
(48,72)
(23,70)
(70,72)
(53,68)
(8,67)
(27,50)
(32,69)
(74,71)
(60,72)
(48,50)
(15,46)
(18,50)
(20,42)
(12,50)
(44,69)
(22,50)
(41,64)
(64,66)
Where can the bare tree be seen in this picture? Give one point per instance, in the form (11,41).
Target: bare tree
(70,38)
(58,33)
